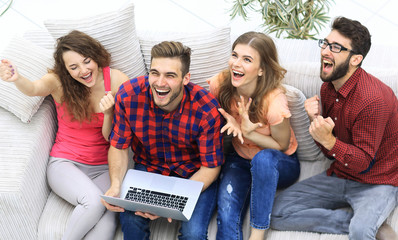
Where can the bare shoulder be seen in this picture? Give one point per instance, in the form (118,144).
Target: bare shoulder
(117,78)
(53,83)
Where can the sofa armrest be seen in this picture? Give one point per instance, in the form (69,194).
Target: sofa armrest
(23,161)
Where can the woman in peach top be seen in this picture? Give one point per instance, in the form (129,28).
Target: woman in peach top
(255,107)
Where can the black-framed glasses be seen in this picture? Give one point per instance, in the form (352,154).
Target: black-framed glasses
(334,47)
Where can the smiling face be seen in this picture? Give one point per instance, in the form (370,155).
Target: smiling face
(244,65)
(335,66)
(82,69)
(167,82)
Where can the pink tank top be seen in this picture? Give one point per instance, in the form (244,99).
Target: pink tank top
(81,142)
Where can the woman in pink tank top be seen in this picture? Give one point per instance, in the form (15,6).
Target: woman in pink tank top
(83,88)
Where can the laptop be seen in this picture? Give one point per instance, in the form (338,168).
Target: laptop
(164,196)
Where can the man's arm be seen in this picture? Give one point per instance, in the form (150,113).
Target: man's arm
(206,175)
(118,162)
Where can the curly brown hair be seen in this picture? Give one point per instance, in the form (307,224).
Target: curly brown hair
(270,80)
(76,95)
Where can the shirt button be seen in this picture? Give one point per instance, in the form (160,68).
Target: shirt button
(334,155)
(335,118)
(337,99)
(165,129)
(346,164)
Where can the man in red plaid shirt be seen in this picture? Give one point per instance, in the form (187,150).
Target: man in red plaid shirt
(173,127)
(356,126)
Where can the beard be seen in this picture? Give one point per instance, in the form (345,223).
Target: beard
(340,71)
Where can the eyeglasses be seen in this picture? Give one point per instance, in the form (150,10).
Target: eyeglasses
(334,47)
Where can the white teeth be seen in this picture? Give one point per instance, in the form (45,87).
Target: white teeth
(162,91)
(86,76)
(327,62)
(239,73)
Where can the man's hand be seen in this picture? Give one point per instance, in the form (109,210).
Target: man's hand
(150,216)
(312,107)
(321,131)
(112,192)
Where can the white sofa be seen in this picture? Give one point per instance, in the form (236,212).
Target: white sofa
(28,208)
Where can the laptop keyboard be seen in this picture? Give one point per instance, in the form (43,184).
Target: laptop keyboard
(156,198)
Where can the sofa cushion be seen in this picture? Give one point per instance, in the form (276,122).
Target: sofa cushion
(32,62)
(307,150)
(210,50)
(24,150)
(115,30)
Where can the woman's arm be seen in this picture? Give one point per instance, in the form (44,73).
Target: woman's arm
(279,139)
(108,101)
(48,84)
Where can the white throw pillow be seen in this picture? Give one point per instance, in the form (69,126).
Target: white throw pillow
(307,150)
(210,50)
(115,30)
(304,76)
(32,62)
(41,38)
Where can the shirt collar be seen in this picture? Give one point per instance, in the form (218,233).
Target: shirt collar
(349,84)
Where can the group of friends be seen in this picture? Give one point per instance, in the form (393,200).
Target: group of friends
(176,128)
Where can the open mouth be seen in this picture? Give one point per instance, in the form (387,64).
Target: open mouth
(87,77)
(162,92)
(327,65)
(237,74)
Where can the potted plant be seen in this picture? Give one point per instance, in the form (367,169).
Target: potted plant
(297,19)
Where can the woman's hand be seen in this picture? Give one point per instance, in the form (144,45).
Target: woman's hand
(231,126)
(106,103)
(8,72)
(246,126)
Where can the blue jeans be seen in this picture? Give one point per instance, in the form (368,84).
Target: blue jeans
(136,227)
(315,204)
(256,181)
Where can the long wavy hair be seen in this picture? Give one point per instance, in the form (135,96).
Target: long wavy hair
(270,80)
(76,95)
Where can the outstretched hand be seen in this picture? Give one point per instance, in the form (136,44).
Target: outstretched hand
(8,72)
(247,126)
(232,126)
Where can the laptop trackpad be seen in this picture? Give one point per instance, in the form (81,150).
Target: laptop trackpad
(158,183)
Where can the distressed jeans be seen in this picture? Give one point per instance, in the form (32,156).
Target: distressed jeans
(137,227)
(256,181)
(317,205)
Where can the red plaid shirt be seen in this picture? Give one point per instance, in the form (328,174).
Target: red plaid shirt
(176,143)
(365,113)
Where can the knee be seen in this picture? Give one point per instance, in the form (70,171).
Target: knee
(193,232)
(265,159)
(360,231)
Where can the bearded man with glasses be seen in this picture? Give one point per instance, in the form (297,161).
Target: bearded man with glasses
(356,127)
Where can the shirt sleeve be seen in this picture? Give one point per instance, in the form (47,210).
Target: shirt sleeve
(121,135)
(210,140)
(278,108)
(367,134)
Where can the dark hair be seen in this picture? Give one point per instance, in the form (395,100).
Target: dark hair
(76,95)
(356,32)
(170,49)
(271,78)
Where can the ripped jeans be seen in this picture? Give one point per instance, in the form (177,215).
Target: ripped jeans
(256,181)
